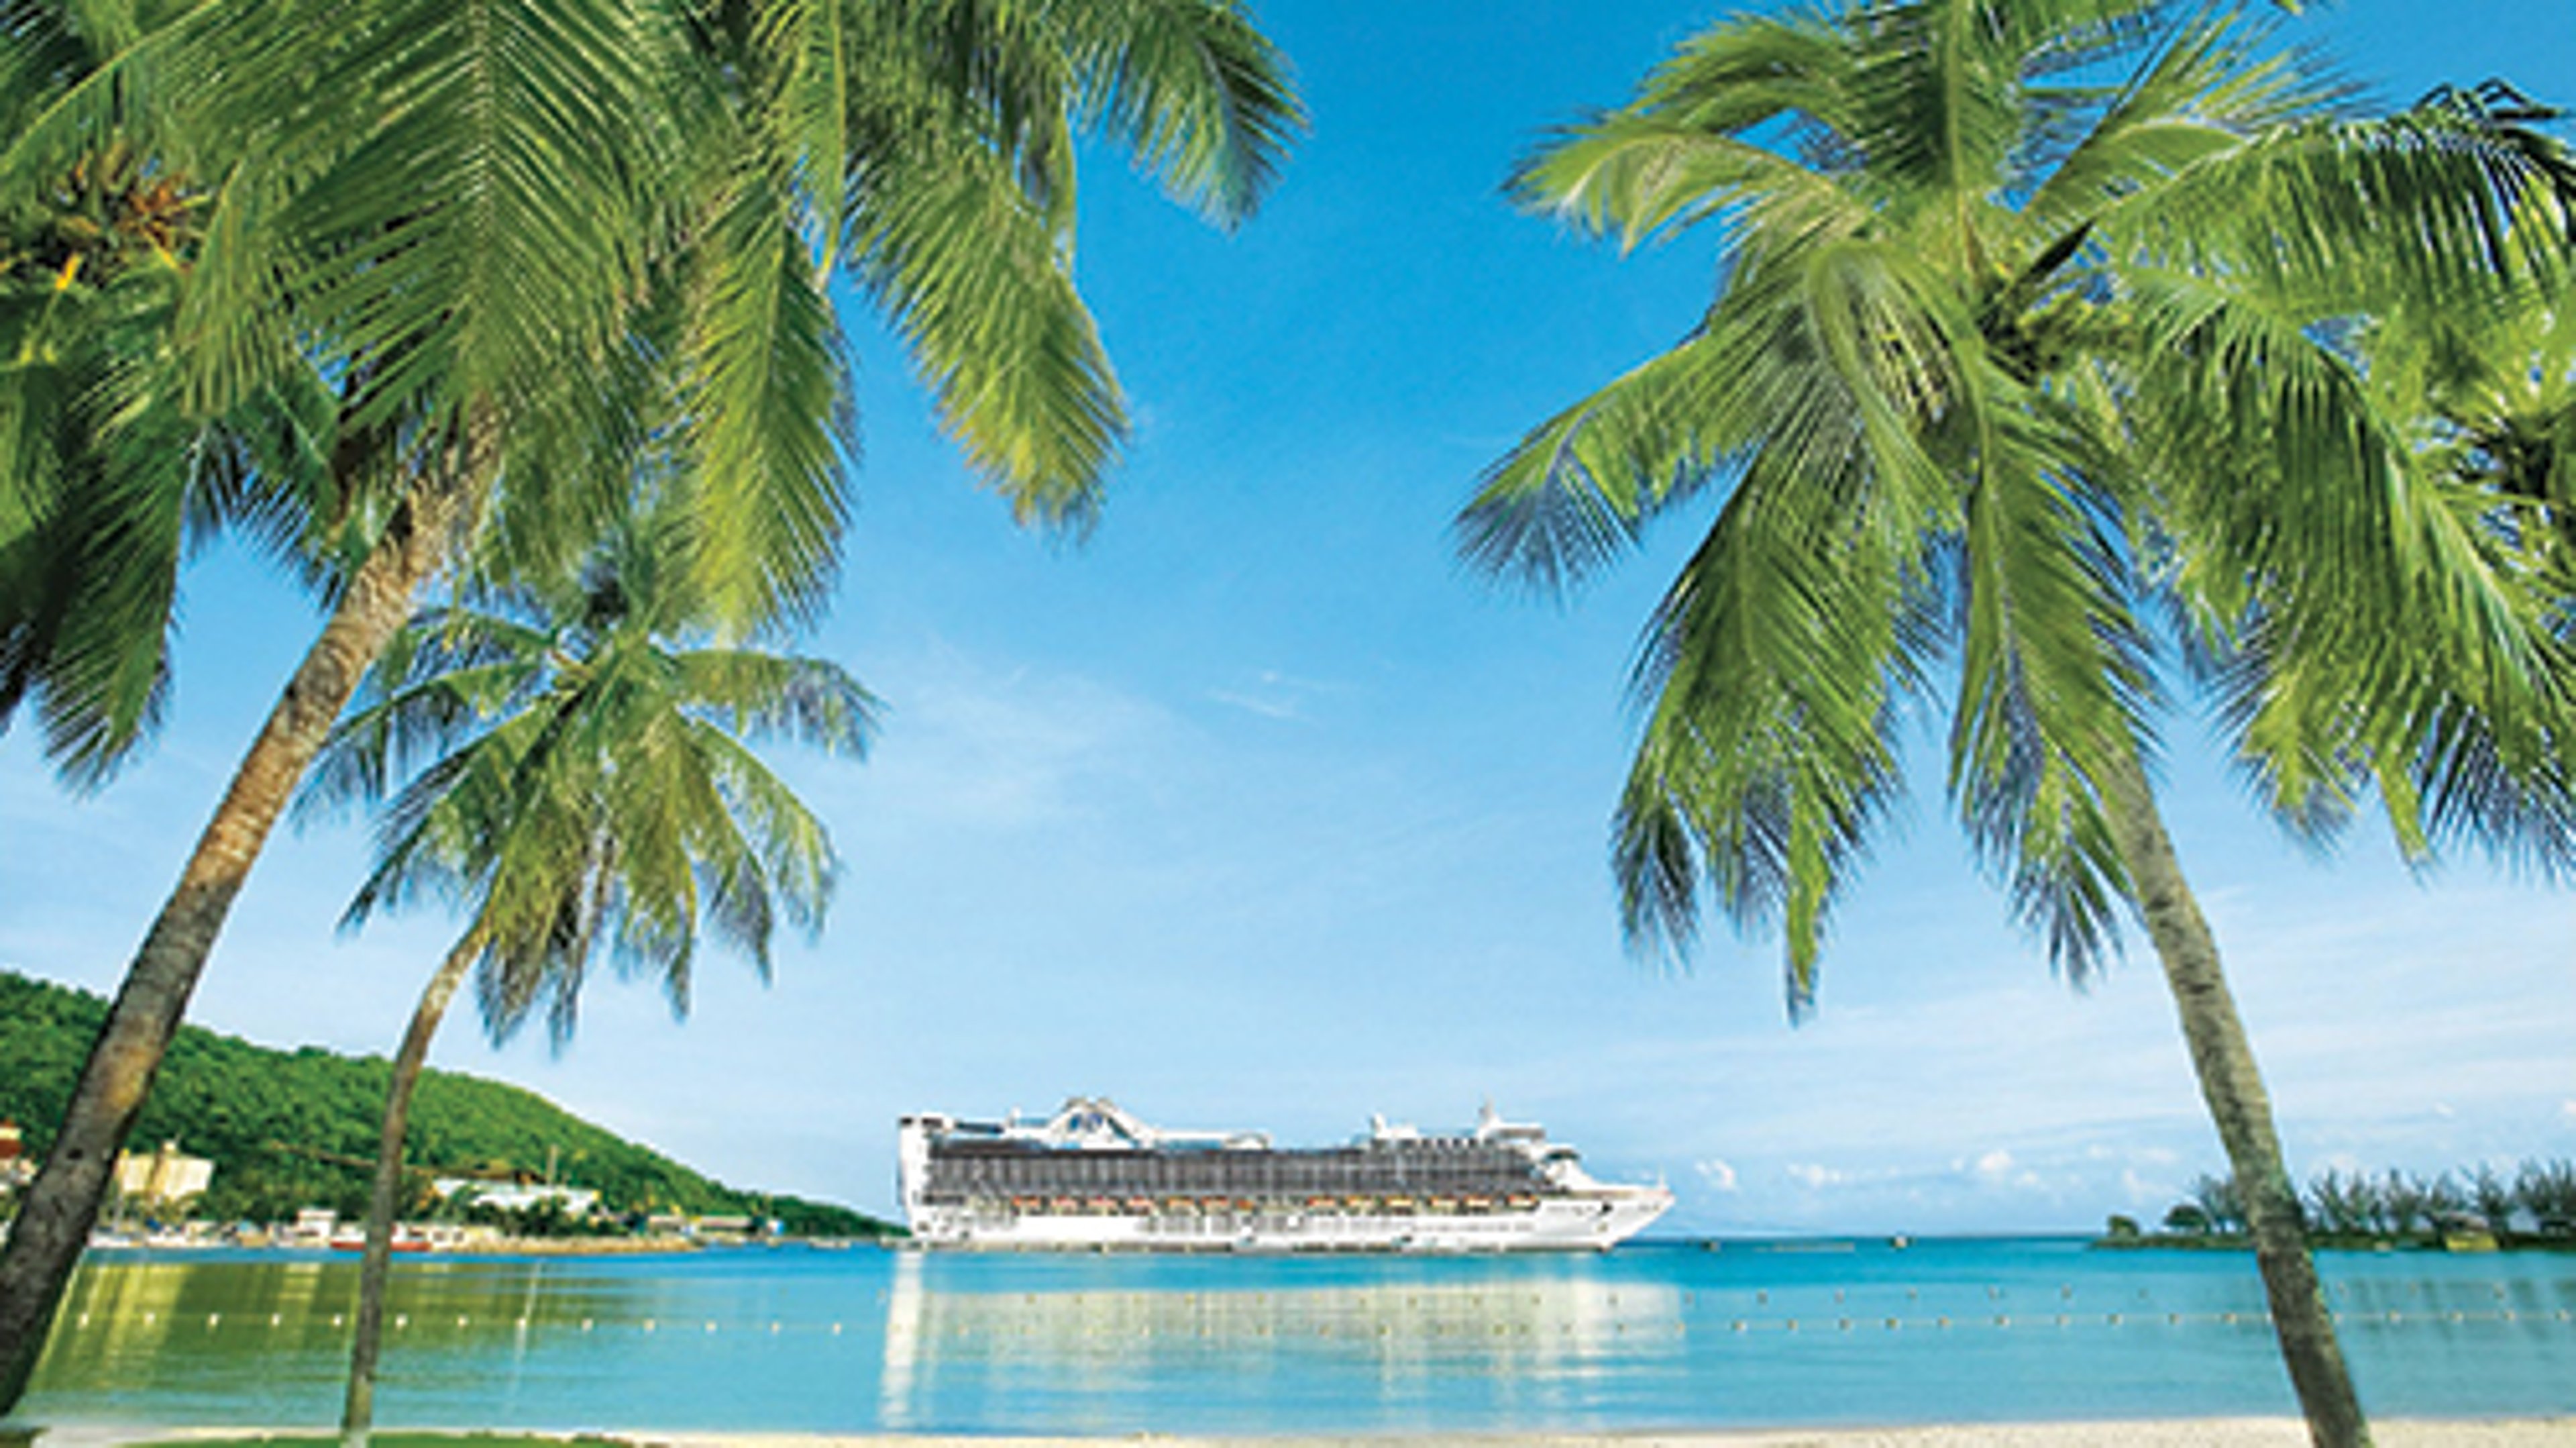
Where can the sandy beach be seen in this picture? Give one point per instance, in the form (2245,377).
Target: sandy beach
(2185,1433)
(2171,1433)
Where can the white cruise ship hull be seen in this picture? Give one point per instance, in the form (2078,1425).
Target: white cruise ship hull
(1092,1177)
(1568,1224)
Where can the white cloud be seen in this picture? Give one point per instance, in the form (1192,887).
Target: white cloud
(1272,694)
(1995,1165)
(1814,1177)
(1719,1175)
(2568,1110)
(1254,704)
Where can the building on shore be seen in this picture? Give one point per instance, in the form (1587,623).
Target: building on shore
(16,1168)
(518,1196)
(166,1176)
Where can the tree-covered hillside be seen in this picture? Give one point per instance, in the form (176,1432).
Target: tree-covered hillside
(296,1128)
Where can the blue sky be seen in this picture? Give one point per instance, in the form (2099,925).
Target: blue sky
(1258,810)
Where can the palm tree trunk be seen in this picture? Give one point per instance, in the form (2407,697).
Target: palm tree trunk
(2232,1085)
(358,1410)
(62,1204)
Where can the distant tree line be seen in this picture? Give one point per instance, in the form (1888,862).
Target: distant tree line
(2536,1201)
(294,1129)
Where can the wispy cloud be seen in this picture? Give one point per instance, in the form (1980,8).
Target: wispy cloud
(1271,694)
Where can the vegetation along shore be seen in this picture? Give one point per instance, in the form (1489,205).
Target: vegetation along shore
(2482,1209)
(289,1130)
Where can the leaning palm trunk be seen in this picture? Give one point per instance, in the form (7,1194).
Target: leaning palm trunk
(2232,1085)
(62,1205)
(358,1410)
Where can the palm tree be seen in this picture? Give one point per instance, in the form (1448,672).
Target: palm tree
(104,478)
(1991,269)
(571,765)
(527,303)
(2339,688)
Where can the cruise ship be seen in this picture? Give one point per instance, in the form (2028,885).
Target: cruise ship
(1093,1177)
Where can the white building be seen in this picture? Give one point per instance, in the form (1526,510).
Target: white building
(167,1175)
(514,1197)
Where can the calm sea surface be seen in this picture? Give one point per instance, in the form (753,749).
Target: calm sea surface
(1649,1336)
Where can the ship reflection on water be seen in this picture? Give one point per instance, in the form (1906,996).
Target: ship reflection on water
(1534,1329)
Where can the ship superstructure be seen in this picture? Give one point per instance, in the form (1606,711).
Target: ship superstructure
(1093,1176)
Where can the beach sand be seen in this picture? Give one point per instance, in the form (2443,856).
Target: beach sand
(2184,1433)
(2175,1433)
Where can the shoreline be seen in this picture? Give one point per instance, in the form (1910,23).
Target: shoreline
(2227,1432)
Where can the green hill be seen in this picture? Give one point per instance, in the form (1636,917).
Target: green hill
(287,1129)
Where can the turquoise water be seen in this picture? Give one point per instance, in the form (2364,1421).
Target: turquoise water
(1649,1336)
